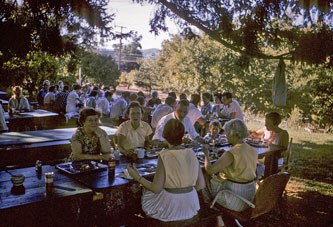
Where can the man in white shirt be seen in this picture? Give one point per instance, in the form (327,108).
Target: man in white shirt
(231,108)
(162,110)
(180,112)
(194,113)
(103,103)
(118,108)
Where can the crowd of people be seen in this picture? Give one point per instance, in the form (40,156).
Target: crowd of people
(142,122)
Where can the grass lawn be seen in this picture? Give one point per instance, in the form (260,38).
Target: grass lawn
(309,194)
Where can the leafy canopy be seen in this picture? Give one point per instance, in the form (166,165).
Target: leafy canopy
(251,27)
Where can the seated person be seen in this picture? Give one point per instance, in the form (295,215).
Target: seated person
(3,125)
(42,92)
(238,165)
(133,133)
(206,107)
(218,104)
(277,136)
(90,142)
(18,103)
(180,113)
(171,195)
(231,108)
(162,110)
(91,100)
(49,98)
(214,131)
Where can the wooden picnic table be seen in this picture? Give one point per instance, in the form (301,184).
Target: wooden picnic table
(36,207)
(34,120)
(24,148)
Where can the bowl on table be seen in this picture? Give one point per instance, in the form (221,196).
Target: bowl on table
(17,179)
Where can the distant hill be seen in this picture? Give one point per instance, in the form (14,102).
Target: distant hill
(146,53)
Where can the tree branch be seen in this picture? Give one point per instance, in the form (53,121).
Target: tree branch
(216,36)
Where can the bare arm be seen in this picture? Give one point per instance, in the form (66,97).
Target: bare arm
(224,161)
(103,140)
(157,185)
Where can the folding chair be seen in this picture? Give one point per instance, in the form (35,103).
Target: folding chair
(267,195)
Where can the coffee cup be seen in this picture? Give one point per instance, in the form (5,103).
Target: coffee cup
(140,152)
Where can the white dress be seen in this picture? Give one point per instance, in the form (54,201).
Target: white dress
(181,170)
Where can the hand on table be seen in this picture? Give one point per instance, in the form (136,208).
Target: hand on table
(133,171)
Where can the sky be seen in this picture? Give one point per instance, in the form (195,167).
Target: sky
(136,17)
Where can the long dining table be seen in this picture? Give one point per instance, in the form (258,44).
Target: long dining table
(24,148)
(33,120)
(33,205)
(69,186)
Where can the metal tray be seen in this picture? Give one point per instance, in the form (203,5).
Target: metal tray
(74,168)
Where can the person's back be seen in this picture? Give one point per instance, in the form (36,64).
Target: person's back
(162,110)
(61,100)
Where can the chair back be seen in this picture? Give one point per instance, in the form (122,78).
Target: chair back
(286,159)
(270,190)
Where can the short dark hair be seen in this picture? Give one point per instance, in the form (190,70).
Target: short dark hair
(195,99)
(227,94)
(172,94)
(183,102)
(173,132)
(141,100)
(96,88)
(140,93)
(170,101)
(52,88)
(208,96)
(126,94)
(76,86)
(66,88)
(182,96)
(275,117)
(93,93)
(105,88)
(108,94)
(132,105)
(133,97)
(86,112)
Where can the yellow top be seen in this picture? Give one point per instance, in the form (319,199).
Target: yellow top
(243,168)
(181,168)
(134,137)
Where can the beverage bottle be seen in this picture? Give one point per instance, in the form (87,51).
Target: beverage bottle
(112,166)
(38,167)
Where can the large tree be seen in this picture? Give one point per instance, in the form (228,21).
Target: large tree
(55,27)
(251,27)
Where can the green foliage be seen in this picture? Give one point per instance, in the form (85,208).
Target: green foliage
(147,77)
(201,64)
(99,69)
(252,27)
(31,71)
(322,94)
